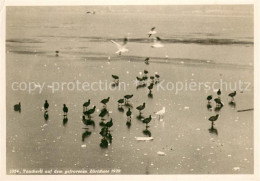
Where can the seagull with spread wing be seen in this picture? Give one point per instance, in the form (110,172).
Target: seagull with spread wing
(152,32)
(121,48)
(157,43)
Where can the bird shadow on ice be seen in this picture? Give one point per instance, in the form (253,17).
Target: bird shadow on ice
(103,143)
(147,132)
(147,172)
(120,109)
(213,130)
(140,86)
(88,122)
(128,105)
(150,95)
(46,115)
(218,108)
(209,107)
(65,120)
(102,123)
(139,117)
(232,104)
(128,124)
(85,135)
(114,84)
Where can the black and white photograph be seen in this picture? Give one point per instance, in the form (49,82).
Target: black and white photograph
(129,89)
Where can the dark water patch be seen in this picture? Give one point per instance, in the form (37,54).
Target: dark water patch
(205,34)
(171,40)
(163,60)
(59,36)
(152,59)
(24,41)
(51,27)
(27,52)
(201,41)
(83,54)
(24,46)
(75,48)
(82,47)
(209,41)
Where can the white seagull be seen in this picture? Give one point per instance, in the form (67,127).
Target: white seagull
(161,112)
(121,48)
(157,43)
(152,32)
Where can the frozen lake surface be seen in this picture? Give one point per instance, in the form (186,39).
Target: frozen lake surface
(200,46)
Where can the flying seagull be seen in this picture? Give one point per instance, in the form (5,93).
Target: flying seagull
(157,43)
(152,32)
(121,48)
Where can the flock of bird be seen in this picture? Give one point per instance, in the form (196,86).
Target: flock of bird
(125,101)
(219,105)
(143,81)
(106,121)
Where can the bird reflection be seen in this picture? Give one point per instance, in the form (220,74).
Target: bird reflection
(147,170)
(232,104)
(65,120)
(213,130)
(107,137)
(128,105)
(104,143)
(128,123)
(115,84)
(120,109)
(104,131)
(209,107)
(218,102)
(147,132)
(140,86)
(102,124)
(150,95)
(139,117)
(85,135)
(46,115)
(88,122)
(103,113)
(217,109)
